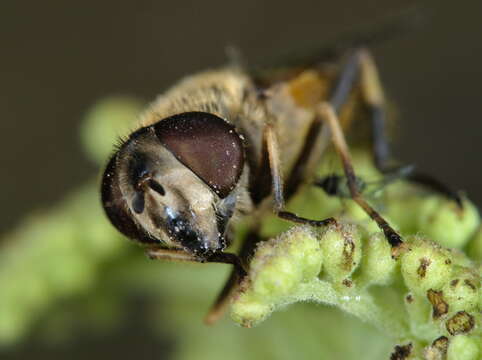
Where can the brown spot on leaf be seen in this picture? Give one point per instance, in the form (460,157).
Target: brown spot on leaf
(448,262)
(409,298)
(441,343)
(438,349)
(348,251)
(422,269)
(440,307)
(470,284)
(460,323)
(401,352)
(454,283)
(347,283)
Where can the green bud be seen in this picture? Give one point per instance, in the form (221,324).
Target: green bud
(403,207)
(425,266)
(463,347)
(277,269)
(341,248)
(475,245)
(281,264)
(377,265)
(460,259)
(248,311)
(419,311)
(279,277)
(105,122)
(462,292)
(303,246)
(443,221)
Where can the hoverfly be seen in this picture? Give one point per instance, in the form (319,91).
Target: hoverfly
(226,143)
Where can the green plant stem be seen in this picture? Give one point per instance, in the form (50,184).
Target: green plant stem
(357,303)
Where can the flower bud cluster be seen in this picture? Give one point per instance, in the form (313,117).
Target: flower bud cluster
(444,300)
(280,266)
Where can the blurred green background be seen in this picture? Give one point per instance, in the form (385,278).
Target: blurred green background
(60,57)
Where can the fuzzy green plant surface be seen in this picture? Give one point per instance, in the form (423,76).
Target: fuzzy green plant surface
(333,293)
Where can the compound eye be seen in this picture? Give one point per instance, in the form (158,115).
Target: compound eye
(206,144)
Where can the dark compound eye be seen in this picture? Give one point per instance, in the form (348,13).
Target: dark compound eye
(206,144)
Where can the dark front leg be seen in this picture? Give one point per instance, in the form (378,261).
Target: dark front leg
(237,274)
(375,100)
(327,112)
(219,306)
(160,253)
(277,183)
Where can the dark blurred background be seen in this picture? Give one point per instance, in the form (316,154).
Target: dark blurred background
(57,58)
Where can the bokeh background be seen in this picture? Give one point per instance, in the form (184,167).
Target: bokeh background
(57,58)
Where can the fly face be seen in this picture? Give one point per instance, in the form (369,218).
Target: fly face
(175,182)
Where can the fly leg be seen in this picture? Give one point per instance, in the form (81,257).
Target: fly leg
(271,150)
(327,113)
(219,306)
(270,146)
(237,274)
(277,182)
(161,253)
(374,98)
